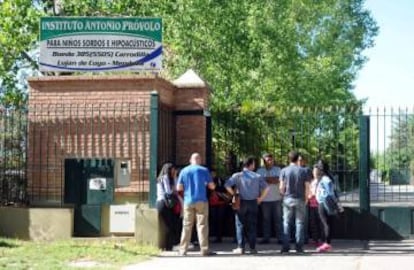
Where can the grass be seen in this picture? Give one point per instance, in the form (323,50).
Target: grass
(103,254)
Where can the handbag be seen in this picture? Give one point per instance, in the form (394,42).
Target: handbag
(235,202)
(170,200)
(331,205)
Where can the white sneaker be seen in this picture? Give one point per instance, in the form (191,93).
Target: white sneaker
(238,251)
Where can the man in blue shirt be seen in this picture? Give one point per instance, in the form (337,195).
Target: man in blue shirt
(193,180)
(294,185)
(252,189)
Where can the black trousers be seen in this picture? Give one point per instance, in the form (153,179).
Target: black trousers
(171,222)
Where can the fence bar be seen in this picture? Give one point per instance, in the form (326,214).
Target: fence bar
(153,148)
(364,157)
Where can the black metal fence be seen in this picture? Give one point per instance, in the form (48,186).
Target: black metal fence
(13,146)
(166,136)
(35,142)
(331,133)
(392,155)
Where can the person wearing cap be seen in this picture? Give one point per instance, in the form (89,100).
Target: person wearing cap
(271,205)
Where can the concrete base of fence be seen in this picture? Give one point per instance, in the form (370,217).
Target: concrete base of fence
(149,229)
(42,224)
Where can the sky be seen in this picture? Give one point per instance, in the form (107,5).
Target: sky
(387,79)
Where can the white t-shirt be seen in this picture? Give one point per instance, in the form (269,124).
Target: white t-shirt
(274,193)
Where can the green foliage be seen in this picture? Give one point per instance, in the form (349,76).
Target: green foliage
(274,52)
(259,56)
(330,133)
(19,29)
(397,161)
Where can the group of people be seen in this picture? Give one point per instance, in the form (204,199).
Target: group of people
(284,197)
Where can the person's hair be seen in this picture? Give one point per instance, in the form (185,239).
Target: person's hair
(267,155)
(293,156)
(324,168)
(320,172)
(167,169)
(249,161)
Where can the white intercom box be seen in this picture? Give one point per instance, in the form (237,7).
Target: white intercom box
(122,172)
(122,218)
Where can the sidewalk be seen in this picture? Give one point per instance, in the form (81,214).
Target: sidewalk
(346,254)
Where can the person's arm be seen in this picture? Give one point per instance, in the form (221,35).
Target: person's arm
(166,184)
(264,189)
(229,185)
(180,186)
(272,179)
(308,194)
(210,183)
(262,195)
(282,184)
(268,179)
(211,186)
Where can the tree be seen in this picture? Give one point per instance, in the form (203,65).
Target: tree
(18,36)
(258,55)
(272,52)
(398,158)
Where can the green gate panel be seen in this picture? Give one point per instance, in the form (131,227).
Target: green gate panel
(75,193)
(89,183)
(100,190)
(87,220)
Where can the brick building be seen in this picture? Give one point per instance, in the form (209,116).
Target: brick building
(107,119)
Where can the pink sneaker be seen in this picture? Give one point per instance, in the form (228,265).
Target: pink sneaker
(324,248)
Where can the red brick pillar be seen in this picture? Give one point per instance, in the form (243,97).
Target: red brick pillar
(192,122)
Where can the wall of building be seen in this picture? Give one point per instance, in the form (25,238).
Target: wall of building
(104,117)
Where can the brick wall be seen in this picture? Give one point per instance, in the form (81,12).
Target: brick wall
(103,117)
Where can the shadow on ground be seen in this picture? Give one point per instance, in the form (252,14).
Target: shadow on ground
(340,248)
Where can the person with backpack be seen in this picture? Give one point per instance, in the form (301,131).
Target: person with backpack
(327,200)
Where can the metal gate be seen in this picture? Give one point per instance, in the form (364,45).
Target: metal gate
(331,133)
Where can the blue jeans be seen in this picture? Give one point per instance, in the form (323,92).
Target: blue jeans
(297,208)
(246,223)
(272,215)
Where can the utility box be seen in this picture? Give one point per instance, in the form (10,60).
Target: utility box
(122,218)
(122,172)
(100,190)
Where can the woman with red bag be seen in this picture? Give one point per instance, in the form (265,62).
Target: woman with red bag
(218,201)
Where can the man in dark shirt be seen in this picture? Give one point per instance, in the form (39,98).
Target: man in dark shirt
(294,185)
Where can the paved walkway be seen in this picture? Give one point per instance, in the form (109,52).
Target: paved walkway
(354,254)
